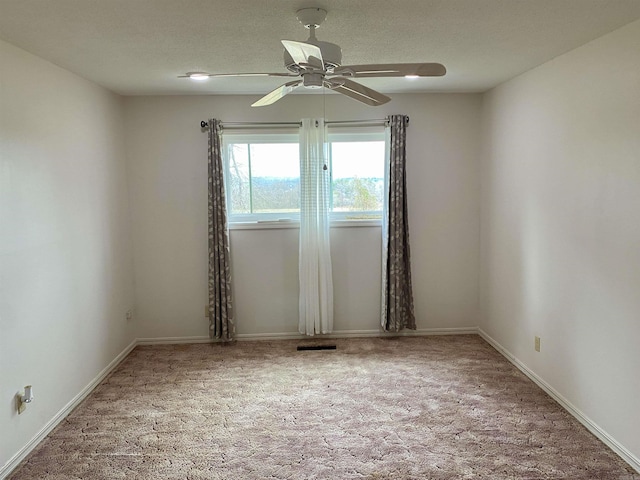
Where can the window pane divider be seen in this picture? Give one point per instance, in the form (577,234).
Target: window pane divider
(250,178)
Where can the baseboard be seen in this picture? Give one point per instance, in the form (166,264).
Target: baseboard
(172,340)
(66,410)
(359,333)
(601,434)
(297,336)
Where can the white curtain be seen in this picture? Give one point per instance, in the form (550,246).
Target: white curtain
(316,284)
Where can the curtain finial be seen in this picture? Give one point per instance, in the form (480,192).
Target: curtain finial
(404,117)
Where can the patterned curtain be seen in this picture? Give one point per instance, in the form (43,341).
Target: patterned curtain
(221,324)
(316,282)
(397,293)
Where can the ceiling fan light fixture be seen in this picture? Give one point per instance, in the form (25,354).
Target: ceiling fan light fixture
(198,76)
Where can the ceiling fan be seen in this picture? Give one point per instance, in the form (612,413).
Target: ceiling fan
(318,64)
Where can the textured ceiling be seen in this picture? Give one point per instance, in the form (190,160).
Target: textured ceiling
(139,47)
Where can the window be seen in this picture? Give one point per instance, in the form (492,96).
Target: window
(357,175)
(263,175)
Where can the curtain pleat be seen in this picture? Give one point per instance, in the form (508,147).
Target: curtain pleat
(221,325)
(397,292)
(315,276)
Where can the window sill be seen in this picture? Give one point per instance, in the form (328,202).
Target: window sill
(280,225)
(356,223)
(264,225)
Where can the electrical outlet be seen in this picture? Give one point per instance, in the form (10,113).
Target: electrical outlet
(536,344)
(129,315)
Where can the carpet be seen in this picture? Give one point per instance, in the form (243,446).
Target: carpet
(442,407)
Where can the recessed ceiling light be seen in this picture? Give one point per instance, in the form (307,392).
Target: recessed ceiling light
(412,77)
(199,76)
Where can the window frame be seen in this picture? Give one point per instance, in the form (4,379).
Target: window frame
(292,219)
(248,138)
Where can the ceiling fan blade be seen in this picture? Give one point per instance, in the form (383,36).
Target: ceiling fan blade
(392,70)
(357,91)
(216,75)
(277,94)
(304,53)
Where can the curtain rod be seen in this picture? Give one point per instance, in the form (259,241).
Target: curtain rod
(379,121)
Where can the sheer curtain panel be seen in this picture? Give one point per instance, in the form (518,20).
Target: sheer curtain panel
(316,284)
(397,293)
(221,324)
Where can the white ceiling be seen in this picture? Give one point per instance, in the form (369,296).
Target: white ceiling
(139,47)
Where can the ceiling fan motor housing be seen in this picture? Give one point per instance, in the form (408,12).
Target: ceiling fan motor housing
(312,80)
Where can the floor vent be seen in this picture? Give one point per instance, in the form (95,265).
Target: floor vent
(316,347)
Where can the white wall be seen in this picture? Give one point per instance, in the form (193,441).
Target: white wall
(167,153)
(559,244)
(561,227)
(65,245)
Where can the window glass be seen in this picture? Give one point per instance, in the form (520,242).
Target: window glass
(238,180)
(357,175)
(263,175)
(275,177)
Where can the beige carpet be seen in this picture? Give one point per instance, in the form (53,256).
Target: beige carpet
(408,408)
